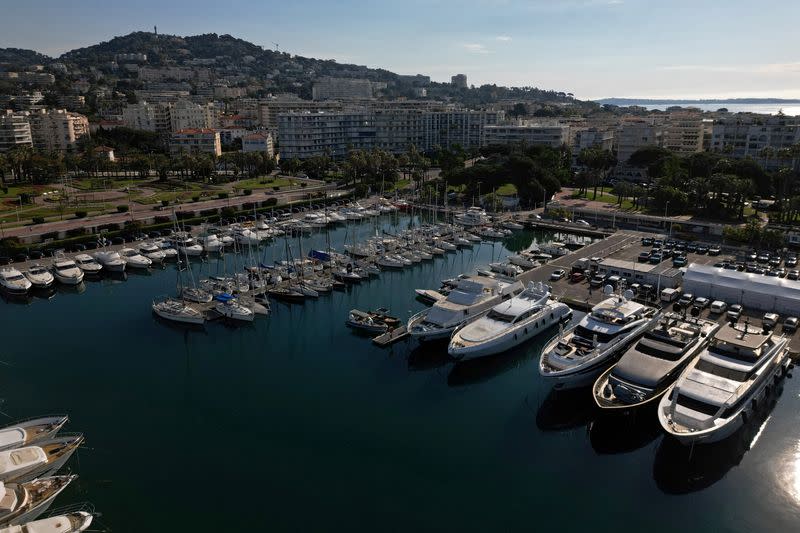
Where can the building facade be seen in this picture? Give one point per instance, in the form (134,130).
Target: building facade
(459,80)
(533,134)
(683,133)
(15,130)
(57,129)
(260,141)
(759,137)
(196,140)
(342,89)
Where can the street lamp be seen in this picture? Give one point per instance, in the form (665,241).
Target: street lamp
(665,219)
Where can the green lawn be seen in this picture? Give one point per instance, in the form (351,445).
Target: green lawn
(173,196)
(100,184)
(15,190)
(398,185)
(263,183)
(508,189)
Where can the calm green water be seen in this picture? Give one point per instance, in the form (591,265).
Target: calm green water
(297,424)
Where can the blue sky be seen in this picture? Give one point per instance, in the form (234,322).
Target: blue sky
(593,48)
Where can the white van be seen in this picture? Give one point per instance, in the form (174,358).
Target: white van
(670,295)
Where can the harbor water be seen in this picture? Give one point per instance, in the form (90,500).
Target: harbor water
(296,423)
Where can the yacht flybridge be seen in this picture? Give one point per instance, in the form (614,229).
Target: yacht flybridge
(470,298)
(718,391)
(474,216)
(652,365)
(576,357)
(509,323)
(66,270)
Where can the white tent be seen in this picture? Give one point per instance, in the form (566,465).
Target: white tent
(754,291)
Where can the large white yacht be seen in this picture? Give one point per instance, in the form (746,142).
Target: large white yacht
(23,502)
(73,522)
(509,323)
(39,276)
(716,393)
(652,365)
(134,259)
(153,252)
(88,265)
(576,357)
(27,432)
(474,216)
(24,464)
(469,299)
(66,270)
(13,282)
(111,260)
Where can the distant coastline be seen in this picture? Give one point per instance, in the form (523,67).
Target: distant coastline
(668,101)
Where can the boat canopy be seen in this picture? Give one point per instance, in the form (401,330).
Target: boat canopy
(11,437)
(224,297)
(21,459)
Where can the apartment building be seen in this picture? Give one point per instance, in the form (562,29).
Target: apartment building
(148,116)
(742,136)
(174,73)
(15,130)
(304,135)
(268,110)
(187,115)
(57,129)
(459,80)
(260,141)
(634,134)
(196,140)
(553,136)
(683,133)
(342,89)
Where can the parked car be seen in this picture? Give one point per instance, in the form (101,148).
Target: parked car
(647,291)
(636,288)
(718,307)
(770,319)
(790,262)
(658,243)
(558,274)
(20,258)
(701,302)
(702,249)
(614,281)
(790,324)
(793,274)
(691,247)
(644,257)
(582,222)
(735,311)
(596,281)
(679,261)
(575,277)
(714,250)
(775,261)
(656,258)
(647,241)
(686,299)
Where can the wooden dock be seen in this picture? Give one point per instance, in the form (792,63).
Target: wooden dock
(391,336)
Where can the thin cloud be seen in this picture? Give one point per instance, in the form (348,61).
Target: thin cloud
(769,68)
(475,48)
(502,38)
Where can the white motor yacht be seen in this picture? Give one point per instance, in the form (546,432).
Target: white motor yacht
(210,243)
(13,282)
(470,298)
(474,216)
(153,252)
(43,459)
(134,259)
(576,357)
(390,262)
(649,367)
(39,276)
(513,225)
(22,502)
(246,236)
(66,270)
(170,252)
(27,432)
(234,310)
(62,523)
(88,265)
(110,259)
(718,391)
(176,310)
(186,245)
(509,323)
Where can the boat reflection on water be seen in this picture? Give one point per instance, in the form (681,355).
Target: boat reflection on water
(428,356)
(565,409)
(44,293)
(80,288)
(610,434)
(487,367)
(680,469)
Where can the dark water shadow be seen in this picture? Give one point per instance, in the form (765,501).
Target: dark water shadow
(16,299)
(483,369)
(44,293)
(427,356)
(623,432)
(80,288)
(680,469)
(180,326)
(565,410)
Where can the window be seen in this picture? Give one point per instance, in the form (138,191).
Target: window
(721,371)
(697,405)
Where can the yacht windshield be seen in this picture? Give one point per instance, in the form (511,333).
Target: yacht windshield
(65,266)
(15,278)
(500,317)
(721,371)
(589,335)
(697,405)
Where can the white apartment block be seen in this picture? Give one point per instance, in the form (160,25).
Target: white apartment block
(304,135)
(533,134)
(15,130)
(634,134)
(267,111)
(196,140)
(174,73)
(57,129)
(147,116)
(260,141)
(187,115)
(747,136)
(683,133)
(342,89)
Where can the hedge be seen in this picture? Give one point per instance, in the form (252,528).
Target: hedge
(80,214)
(122,208)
